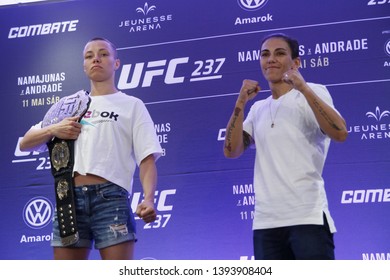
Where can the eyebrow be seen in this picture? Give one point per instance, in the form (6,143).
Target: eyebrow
(278,49)
(102,49)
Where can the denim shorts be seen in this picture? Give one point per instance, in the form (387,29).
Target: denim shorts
(103,216)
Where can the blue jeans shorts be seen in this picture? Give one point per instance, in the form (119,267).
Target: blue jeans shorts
(103,216)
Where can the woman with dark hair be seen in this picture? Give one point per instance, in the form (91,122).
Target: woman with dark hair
(291,131)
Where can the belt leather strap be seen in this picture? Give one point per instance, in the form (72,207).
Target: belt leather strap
(62,161)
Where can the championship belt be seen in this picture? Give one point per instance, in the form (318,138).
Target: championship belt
(62,162)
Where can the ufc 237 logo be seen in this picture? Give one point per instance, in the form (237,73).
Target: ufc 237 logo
(132,76)
(163,201)
(377,2)
(43,159)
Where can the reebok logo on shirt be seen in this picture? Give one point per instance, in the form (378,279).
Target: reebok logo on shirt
(97,114)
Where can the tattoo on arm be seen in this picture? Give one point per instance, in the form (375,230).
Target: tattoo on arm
(248,140)
(228,139)
(324,115)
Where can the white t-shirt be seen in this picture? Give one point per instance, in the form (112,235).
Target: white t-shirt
(288,183)
(117,134)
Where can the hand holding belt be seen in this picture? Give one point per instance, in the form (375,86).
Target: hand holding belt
(62,162)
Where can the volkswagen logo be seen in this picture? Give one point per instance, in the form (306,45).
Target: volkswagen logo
(387,47)
(37,213)
(251,5)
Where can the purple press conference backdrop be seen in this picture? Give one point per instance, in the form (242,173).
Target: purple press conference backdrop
(186,60)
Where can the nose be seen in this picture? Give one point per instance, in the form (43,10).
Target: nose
(96,58)
(271,58)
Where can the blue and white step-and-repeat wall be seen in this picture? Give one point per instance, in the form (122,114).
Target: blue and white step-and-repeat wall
(186,60)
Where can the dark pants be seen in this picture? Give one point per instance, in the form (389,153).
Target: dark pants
(302,242)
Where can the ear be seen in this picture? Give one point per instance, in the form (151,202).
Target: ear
(117,63)
(296,63)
